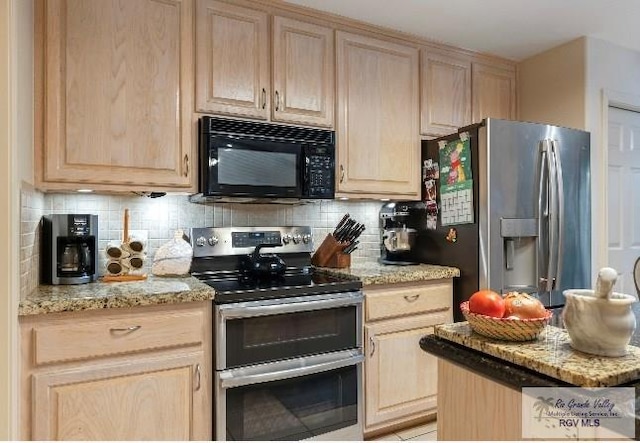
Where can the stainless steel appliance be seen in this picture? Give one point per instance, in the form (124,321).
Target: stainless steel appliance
(288,343)
(529,227)
(69,243)
(398,233)
(250,159)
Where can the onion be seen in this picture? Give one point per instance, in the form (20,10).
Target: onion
(523,306)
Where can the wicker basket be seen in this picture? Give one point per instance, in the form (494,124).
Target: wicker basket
(511,329)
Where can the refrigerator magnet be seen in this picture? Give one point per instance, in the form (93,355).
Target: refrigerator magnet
(452,235)
(432,222)
(430,189)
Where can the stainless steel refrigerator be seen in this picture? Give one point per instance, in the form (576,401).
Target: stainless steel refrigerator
(521,217)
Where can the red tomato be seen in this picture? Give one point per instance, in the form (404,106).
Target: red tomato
(487,302)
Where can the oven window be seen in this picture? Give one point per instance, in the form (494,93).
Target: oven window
(274,337)
(257,168)
(295,408)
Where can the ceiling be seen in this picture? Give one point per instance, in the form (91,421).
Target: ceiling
(514,29)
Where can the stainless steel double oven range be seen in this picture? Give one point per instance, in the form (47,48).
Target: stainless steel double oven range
(288,346)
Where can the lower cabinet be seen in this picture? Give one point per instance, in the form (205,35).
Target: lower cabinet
(129,386)
(400,378)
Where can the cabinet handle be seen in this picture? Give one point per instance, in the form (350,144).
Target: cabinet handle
(264,98)
(372,345)
(186,165)
(411,298)
(277,101)
(341,174)
(197,376)
(127,330)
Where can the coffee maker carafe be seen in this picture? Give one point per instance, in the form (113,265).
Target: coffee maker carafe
(69,246)
(398,223)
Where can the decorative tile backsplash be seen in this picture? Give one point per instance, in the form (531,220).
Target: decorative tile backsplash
(160,217)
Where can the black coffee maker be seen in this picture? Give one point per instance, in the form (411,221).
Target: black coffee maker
(400,223)
(69,247)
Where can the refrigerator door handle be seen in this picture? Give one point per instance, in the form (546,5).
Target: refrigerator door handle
(545,212)
(553,216)
(555,147)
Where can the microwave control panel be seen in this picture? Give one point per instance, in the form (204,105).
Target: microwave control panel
(320,172)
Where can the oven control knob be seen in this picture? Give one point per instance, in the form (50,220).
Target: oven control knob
(286,239)
(297,238)
(213,241)
(201,241)
(306,238)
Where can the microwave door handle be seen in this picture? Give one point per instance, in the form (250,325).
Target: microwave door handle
(305,171)
(559,190)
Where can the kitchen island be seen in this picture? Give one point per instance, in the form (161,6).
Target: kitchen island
(478,374)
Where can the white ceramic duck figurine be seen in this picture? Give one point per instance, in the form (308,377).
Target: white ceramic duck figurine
(599,321)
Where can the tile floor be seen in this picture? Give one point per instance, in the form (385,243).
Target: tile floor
(426,432)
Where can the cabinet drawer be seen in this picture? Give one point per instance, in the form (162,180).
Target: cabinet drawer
(400,300)
(116,334)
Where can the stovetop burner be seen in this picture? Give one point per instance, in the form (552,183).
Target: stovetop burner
(220,264)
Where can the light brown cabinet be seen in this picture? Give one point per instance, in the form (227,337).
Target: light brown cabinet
(303,73)
(377,118)
(400,378)
(232,60)
(445,92)
(494,92)
(123,374)
(235,74)
(116,83)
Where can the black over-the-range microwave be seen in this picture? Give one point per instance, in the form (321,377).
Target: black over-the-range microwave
(251,159)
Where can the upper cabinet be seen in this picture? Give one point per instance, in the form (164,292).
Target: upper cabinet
(445,92)
(232,60)
(236,76)
(378,118)
(494,92)
(303,73)
(118,100)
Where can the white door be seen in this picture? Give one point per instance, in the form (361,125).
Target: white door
(623,199)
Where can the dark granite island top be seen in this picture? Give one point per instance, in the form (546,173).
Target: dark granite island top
(547,362)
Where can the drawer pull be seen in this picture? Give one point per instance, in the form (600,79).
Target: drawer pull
(411,298)
(197,375)
(127,330)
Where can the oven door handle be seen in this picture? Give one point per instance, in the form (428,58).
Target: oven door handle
(241,310)
(299,367)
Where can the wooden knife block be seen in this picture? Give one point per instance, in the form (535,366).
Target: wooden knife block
(329,254)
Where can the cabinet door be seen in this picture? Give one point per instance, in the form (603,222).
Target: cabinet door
(446,93)
(377,127)
(494,92)
(232,60)
(118,101)
(303,73)
(153,399)
(400,378)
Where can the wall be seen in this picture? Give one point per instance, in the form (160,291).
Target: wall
(10,139)
(613,72)
(160,218)
(552,85)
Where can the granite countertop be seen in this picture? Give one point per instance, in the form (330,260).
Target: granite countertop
(551,355)
(48,299)
(374,273)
